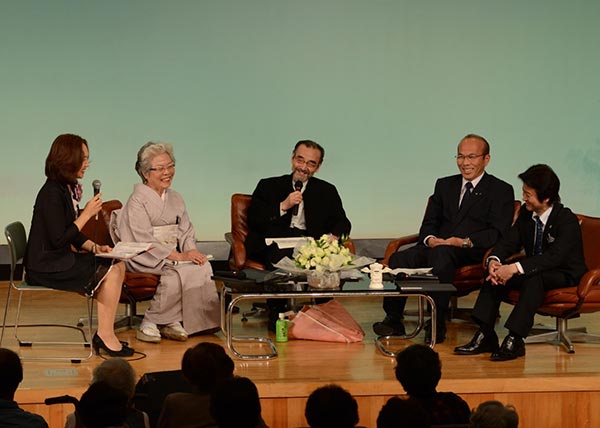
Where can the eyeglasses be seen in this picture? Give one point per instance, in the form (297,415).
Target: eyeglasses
(161,169)
(462,158)
(301,161)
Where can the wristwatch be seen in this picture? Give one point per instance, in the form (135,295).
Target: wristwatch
(467,243)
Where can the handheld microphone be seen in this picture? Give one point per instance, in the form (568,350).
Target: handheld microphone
(297,187)
(96,185)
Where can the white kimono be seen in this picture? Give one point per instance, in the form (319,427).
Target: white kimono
(186,292)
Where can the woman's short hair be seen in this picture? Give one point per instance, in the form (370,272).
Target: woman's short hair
(418,369)
(118,373)
(205,365)
(235,404)
(494,414)
(329,406)
(65,158)
(11,373)
(103,405)
(148,152)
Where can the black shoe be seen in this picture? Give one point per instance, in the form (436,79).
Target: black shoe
(387,327)
(512,347)
(98,344)
(440,331)
(479,344)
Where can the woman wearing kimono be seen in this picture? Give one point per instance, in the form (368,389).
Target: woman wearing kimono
(186,300)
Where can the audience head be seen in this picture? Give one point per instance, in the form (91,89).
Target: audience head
(205,365)
(418,369)
(147,153)
(494,414)
(403,413)
(331,406)
(235,404)
(541,180)
(11,373)
(103,406)
(67,159)
(118,373)
(307,157)
(472,156)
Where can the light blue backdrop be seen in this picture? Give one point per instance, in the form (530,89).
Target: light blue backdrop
(388,87)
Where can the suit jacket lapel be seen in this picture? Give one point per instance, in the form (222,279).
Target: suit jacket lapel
(476,194)
(454,197)
(548,236)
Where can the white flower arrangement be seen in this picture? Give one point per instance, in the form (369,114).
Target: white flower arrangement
(323,254)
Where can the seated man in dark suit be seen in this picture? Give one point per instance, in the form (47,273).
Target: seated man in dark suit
(293,205)
(466,215)
(551,237)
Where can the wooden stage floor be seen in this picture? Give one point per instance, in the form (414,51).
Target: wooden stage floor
(549,387)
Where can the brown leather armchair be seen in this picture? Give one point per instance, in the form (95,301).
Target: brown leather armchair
(137,287)
(240,203)
(466,278)
(571,302)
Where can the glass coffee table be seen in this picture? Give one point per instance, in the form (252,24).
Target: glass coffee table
(259,285)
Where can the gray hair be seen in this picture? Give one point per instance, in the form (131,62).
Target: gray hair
(118,373)
(148,152)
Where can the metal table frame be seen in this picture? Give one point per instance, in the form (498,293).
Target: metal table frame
(420,289)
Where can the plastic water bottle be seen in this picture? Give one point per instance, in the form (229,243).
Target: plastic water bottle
(281,329)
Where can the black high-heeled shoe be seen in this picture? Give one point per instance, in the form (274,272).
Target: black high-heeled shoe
(98,344)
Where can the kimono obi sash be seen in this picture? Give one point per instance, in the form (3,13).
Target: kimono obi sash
(166,235)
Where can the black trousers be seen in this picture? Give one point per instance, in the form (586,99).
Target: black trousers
(532,289)
(444,260)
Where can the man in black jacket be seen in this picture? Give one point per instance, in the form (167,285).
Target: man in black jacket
(293,205)
(466,215)
(551,237)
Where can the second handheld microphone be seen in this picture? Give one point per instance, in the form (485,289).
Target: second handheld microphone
(96,185)
(297,187)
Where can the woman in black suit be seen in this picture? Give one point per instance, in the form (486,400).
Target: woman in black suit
(58,255)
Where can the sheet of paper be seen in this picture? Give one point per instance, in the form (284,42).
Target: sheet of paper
(126,250)
(286,242)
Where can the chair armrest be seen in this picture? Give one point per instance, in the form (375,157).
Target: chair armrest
(395,244)
(349,243)
(590,279)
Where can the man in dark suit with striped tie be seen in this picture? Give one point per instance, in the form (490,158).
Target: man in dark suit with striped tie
(467,214)
(550,234)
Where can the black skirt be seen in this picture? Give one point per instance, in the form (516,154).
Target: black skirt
(83,277)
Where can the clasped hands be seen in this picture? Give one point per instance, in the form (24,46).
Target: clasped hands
(453,241)
(499,274)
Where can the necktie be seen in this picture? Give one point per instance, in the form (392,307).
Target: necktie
(539,231)
(467,195)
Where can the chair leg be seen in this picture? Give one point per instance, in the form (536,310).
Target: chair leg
(86,342)
(5,313)
(17,319)
(562,335)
